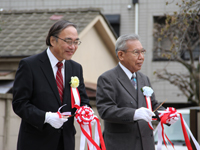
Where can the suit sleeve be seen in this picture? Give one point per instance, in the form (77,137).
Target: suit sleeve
(22,93)
(107,106)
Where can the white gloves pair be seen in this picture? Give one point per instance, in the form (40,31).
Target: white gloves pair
(143,113)
(54,120)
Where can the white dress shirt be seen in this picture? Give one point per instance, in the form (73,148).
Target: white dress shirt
(127,72)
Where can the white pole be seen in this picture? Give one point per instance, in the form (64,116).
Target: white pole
(136,18)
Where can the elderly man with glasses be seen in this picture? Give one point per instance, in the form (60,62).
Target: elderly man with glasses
(121,103)
(42,86)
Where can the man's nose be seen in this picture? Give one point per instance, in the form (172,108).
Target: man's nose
(141,56)
(72,46)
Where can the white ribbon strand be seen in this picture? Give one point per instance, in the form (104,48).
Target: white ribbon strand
(76,96)
(191,135)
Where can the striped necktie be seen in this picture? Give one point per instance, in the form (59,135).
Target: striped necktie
(59,80)
(134,80)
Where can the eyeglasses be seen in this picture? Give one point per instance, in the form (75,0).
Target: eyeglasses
(70,42)
(137,52)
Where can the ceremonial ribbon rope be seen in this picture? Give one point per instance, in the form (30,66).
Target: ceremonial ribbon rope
(84,116)
(148,91)
(75,97)
(187,140)
(149,106)
(163,119)
(168,115)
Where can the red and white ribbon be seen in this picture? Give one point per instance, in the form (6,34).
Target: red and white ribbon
(147,91)
(166,115)
(191,135)
(149,106)
(84,116)
(75,97)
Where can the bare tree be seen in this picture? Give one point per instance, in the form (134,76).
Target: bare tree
(182,31)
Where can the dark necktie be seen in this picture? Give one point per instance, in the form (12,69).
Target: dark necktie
(134,81)
(59,80)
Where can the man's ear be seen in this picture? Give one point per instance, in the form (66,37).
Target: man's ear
(52,40)
(120,55)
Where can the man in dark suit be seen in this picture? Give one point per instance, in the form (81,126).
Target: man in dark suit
(37,94)
(121,103)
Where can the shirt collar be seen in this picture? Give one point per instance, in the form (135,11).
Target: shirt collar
(127,72)
(53,59)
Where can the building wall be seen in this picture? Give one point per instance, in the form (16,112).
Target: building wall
(163,90)
(2,114)
(9,123)
(94,56)
(147,9)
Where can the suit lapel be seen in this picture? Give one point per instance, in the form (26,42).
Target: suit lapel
(48,72)
(125,82)
(68,74)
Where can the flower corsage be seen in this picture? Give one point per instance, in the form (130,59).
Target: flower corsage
(147,91)
(75,96)
(74,83)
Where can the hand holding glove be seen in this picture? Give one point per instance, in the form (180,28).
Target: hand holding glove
(143,113)
(54,120)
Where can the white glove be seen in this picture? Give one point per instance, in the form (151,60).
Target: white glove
(143,113)
(54,120)
(173,118)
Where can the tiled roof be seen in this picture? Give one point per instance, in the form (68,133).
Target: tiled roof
(23,33)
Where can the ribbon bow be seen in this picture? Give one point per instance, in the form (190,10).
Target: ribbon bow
(165,116)
(85,117)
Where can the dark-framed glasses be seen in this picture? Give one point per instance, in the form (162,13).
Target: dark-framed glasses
(70,42)
(137,52)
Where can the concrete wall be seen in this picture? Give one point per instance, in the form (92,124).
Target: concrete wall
(9,123)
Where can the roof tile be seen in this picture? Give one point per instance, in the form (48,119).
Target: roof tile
(23,33)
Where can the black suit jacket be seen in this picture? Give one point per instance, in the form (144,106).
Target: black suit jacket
(35,93)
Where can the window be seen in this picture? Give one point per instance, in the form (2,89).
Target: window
(191,42)
(114,21)
(159,46)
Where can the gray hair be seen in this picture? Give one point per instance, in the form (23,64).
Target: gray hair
(121,41)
